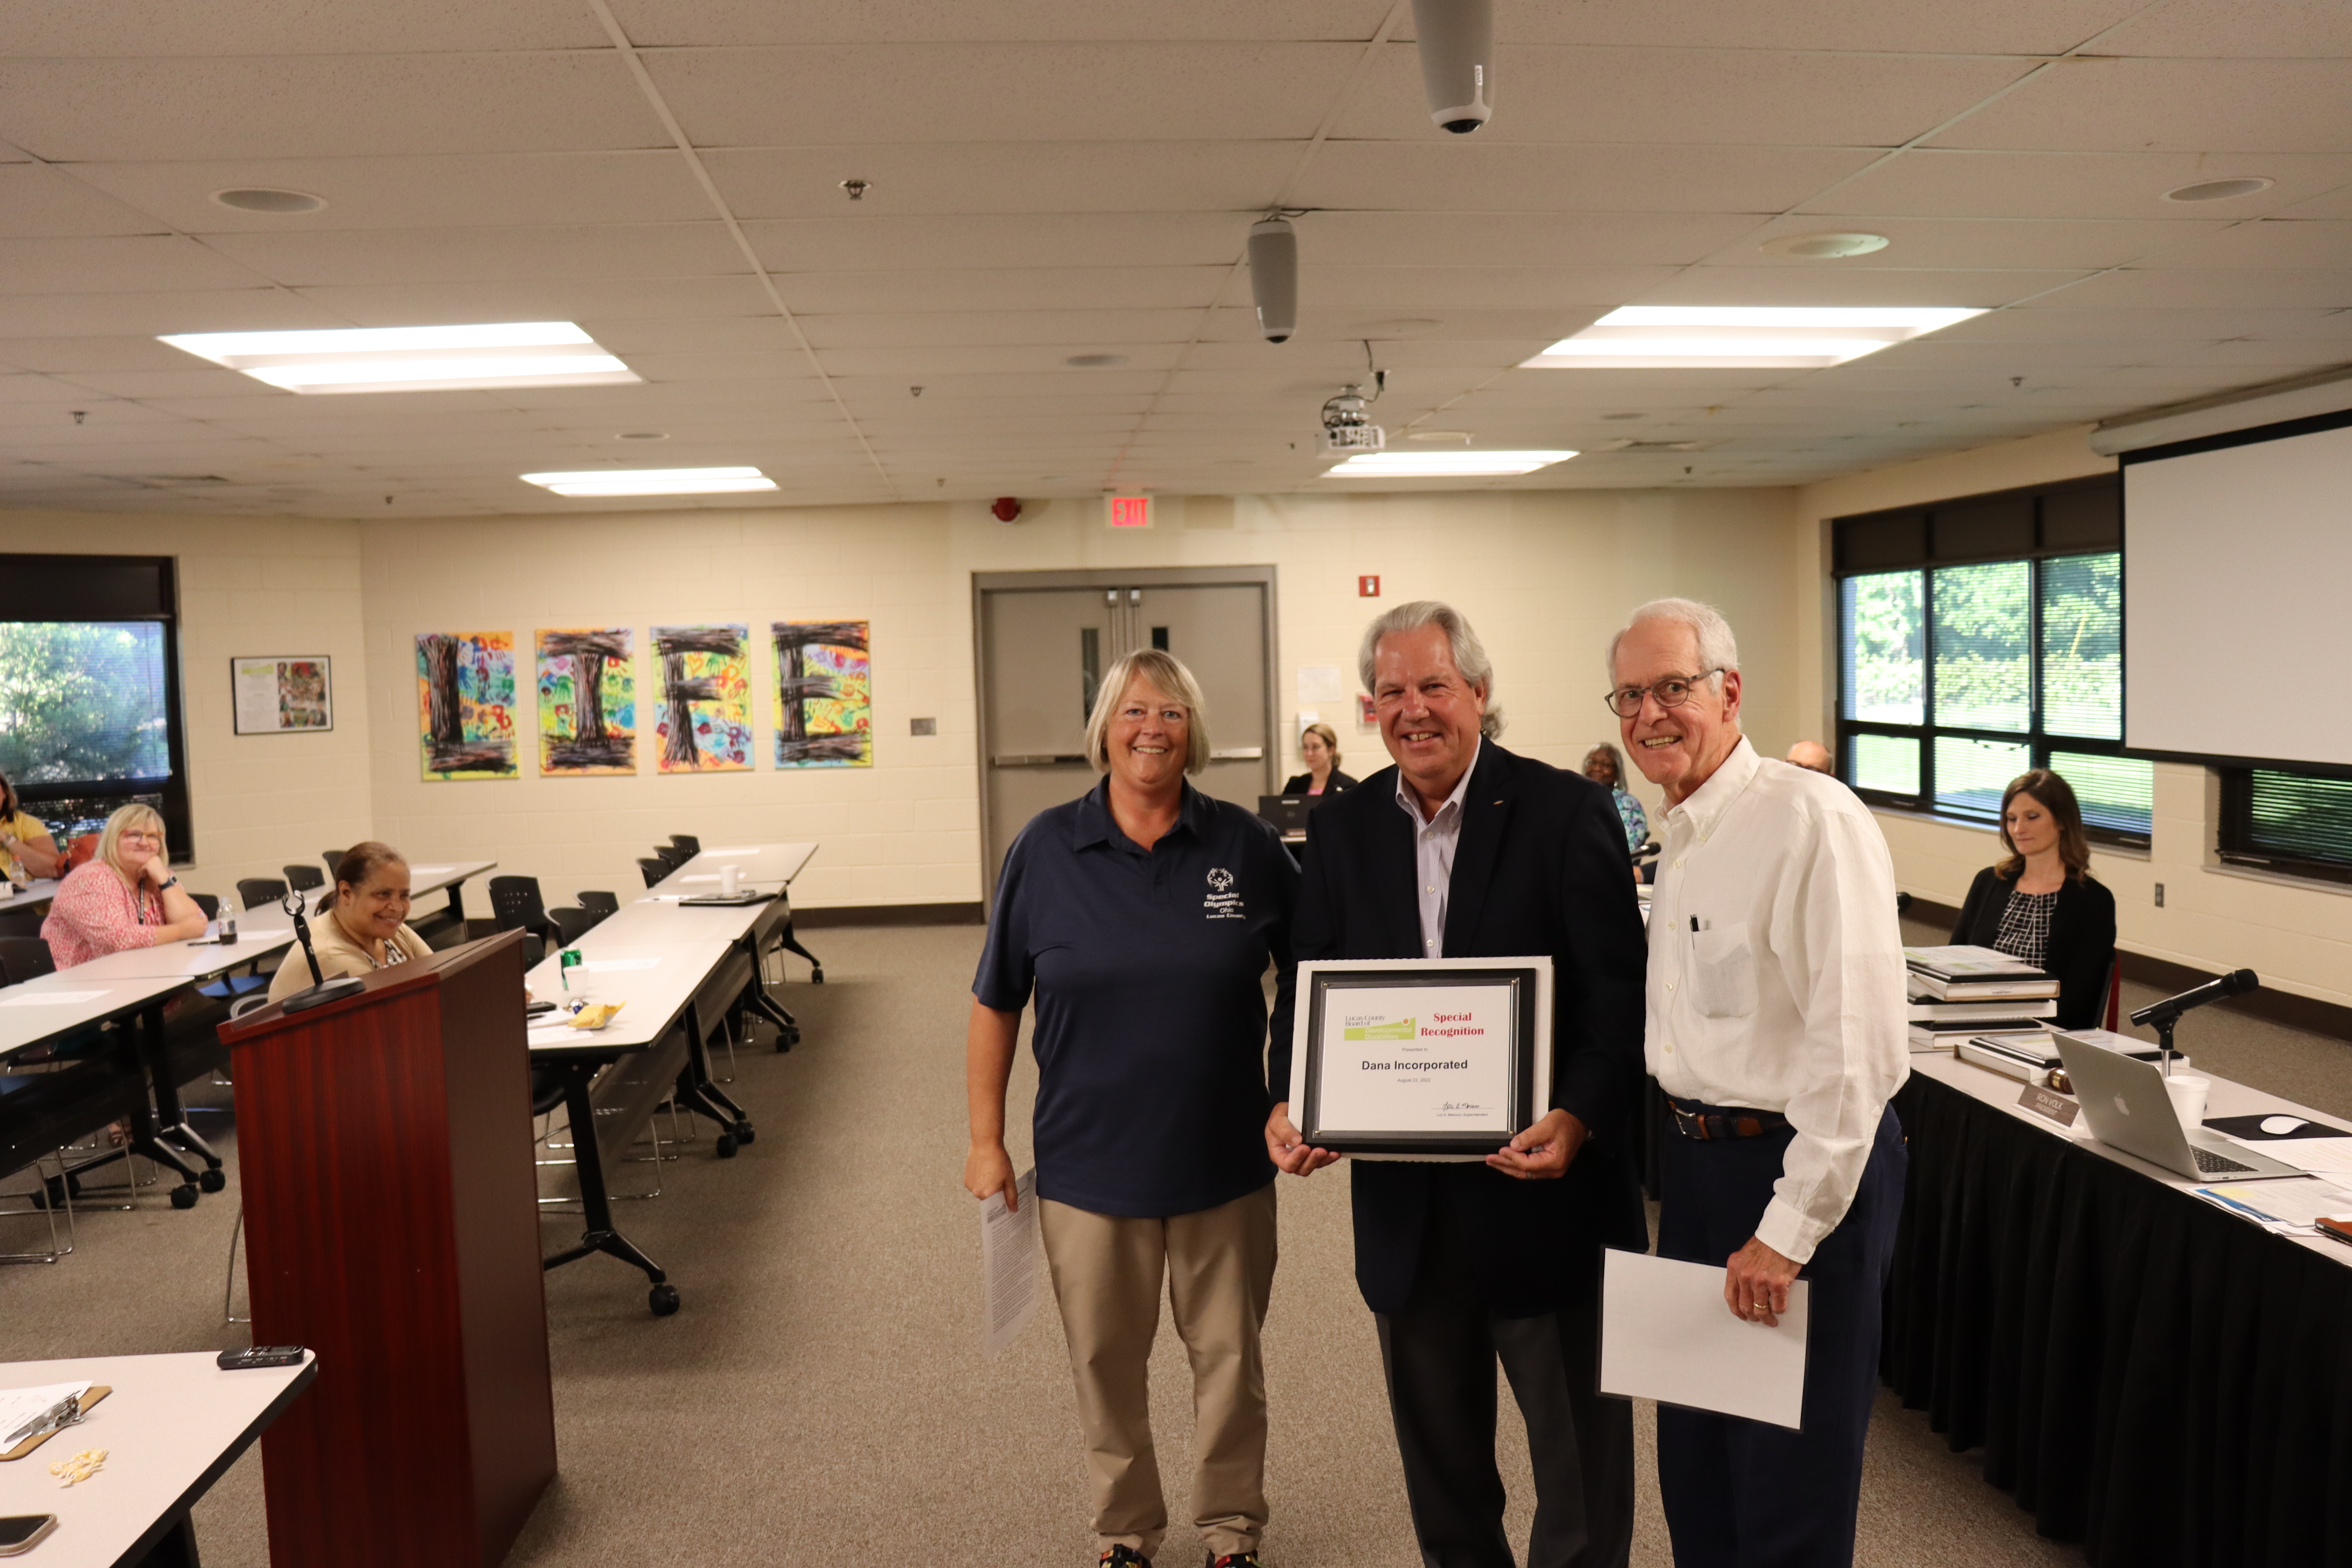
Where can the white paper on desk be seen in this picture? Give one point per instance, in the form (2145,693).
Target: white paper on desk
(1667,1335)
(49,998)
(2282,1205)
(1012,1264)
(21,1406)
(602,965)
(2333,1156)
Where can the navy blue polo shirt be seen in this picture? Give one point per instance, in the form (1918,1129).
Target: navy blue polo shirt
(1147,967)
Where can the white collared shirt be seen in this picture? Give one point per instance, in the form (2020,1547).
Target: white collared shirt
(1789,994)
(1433,841)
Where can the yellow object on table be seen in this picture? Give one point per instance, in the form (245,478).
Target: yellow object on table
(596,1015)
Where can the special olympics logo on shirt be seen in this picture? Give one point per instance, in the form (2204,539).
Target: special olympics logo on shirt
(1220,879)
(1223,903)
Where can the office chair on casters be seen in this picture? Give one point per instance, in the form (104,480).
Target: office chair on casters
(671,856)
(260,893)
(24,958)
(305,878)
(688,842)
(599,904)
(334,858)
(654,870)
(572,924)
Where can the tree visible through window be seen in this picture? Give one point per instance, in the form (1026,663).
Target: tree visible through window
(1958,679)
(82,702)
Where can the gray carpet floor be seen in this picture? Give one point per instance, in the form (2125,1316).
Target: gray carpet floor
(822,1396)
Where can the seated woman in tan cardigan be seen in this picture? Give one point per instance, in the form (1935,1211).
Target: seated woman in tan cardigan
(366,929)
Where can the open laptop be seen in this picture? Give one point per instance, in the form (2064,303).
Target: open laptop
(2128,1106)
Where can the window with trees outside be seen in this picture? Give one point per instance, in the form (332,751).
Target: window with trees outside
(89,712)
(1957,675)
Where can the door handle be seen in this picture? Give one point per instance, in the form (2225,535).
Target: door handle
(1238,754)
(1044,761)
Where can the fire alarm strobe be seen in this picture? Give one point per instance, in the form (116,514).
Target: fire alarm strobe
(1368,587)
(1005,508)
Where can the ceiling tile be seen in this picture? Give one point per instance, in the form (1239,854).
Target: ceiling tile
(2306,243)
(868,94)
(675,22)
(37,201)
(1502,176)
(1746,285)
(1072,331)
(260,309)
(1931,182)
(364,257)
(2151,288)
(440,191)
(1004,177)
(1737,96)
(1002,288)
(2110,105)
(1991,244)
(879,242)
(148,263)
(421,304)
(2281,29)
(1579,293)
(147,28)
(74,111)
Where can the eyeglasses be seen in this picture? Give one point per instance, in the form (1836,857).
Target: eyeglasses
(1672,692)
(137,836)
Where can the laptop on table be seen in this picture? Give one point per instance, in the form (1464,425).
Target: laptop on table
(2125,1102)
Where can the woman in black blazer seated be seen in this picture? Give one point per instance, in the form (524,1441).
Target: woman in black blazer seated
(2040,902)
(1319,744)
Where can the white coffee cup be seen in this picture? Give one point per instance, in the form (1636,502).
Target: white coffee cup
(2188,1091)
(731,880)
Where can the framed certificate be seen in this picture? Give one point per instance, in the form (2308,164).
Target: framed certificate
(1438,1058)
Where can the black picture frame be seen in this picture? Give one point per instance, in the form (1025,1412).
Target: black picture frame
(1521,982)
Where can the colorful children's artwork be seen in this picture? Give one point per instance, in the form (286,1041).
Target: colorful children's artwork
(824,695)
(465,704)
(705,722)
(587,703)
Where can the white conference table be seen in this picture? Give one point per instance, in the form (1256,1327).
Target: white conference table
(172,1426)
(2227,1097)
(33,895)
(761,864)
(40,1010)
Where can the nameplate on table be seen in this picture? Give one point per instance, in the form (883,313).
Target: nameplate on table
(2050,1103)
(1442,1058)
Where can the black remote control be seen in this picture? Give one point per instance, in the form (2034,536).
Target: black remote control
(254,1356)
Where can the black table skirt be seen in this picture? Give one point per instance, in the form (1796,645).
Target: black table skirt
(2148,1375)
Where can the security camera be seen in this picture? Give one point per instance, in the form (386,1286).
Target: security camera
(1457,61)
(1274,277)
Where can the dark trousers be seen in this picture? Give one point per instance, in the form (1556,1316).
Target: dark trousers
(1440,1355)
(1741,1492)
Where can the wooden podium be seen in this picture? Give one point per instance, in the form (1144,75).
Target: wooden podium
(392,1225)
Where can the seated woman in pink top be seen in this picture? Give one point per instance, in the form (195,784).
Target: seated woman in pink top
(122,896)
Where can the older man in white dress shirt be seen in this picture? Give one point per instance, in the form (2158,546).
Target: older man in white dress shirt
(1776,1029)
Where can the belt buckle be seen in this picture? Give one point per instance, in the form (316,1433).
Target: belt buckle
(1693,1125)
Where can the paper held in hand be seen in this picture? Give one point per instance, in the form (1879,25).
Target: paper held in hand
(1667,1334)
(1012,1264)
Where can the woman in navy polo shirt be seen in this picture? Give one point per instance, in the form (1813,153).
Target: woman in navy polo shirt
(1142,917)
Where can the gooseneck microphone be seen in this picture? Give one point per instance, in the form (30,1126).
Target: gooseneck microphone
(2236,983)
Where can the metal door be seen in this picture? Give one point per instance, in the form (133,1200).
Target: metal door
(1042,640)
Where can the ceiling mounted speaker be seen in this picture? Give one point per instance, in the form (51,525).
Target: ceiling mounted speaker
(1457,61)
(1823,246)
(1274,277)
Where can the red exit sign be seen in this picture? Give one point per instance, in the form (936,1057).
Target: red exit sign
(1128,512)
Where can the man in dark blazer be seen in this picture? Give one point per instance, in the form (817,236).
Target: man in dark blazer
(1465,850)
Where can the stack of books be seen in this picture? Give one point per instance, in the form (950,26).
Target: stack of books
(1957,993)
(2032,1057)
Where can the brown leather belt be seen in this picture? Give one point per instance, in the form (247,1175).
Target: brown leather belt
(1711,1126)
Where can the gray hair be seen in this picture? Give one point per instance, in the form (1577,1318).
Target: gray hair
(1165,671)
(1469,654)
(1717,649)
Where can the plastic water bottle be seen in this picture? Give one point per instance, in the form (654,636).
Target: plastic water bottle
(229,919)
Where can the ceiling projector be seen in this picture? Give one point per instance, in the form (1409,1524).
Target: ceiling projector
(1346,428)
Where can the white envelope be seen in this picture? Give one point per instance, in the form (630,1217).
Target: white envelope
(1665,1334)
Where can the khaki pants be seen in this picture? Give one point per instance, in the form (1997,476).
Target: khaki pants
(1219,1266)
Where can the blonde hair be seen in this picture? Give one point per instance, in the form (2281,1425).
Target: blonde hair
(110,842)
(1164,671)
(1330,740)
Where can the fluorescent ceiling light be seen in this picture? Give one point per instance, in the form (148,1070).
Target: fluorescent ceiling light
(415,359)
(653,481)
(1652,337)
(1442,465)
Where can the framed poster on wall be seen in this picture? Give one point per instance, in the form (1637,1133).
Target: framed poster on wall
(277,694)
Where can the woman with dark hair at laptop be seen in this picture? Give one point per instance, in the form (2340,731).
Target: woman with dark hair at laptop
(2040,902)
(1319,744)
